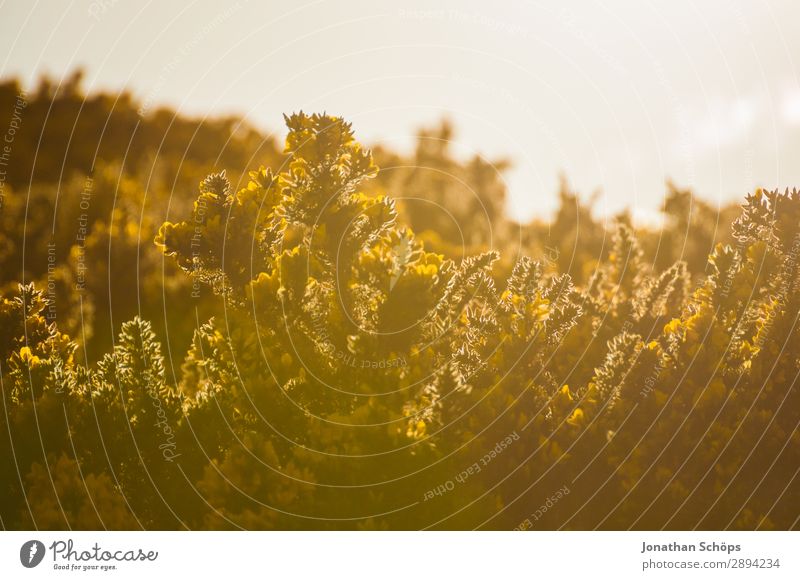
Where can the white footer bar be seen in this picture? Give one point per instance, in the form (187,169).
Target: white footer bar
(401,555)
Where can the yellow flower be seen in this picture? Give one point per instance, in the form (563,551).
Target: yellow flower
(563,399)
(28,357)
(577,418)
(673,326)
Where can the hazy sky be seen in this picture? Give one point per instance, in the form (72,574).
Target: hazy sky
(619,95)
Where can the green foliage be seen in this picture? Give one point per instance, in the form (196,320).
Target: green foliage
(340,374)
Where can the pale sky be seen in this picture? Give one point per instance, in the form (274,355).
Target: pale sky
(619,95)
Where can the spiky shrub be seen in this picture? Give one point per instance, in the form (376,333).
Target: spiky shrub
(353,379)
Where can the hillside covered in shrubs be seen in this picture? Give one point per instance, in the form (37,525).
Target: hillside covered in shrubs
(300,345)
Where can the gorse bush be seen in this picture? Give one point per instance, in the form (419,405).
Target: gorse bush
(343,375)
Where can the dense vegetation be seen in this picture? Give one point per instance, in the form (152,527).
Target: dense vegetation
(295,348)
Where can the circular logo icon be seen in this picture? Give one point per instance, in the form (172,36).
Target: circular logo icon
(31,553)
